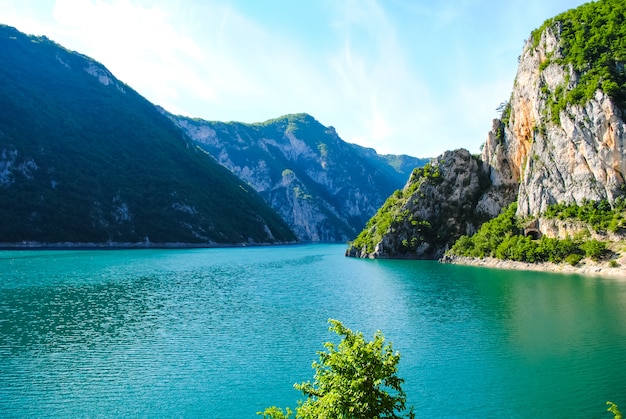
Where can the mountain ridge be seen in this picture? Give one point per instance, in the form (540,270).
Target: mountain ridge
(324,187)
(86,161)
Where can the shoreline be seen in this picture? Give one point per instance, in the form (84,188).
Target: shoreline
(128,245)
(585,267)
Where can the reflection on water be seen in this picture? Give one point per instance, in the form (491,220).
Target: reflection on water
(226,332)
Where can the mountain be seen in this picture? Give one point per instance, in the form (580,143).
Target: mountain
(561,136)
(560,141)
(85,159)
(438,204)
(325,188)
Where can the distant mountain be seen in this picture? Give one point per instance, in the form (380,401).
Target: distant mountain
(325,188)
(84,158)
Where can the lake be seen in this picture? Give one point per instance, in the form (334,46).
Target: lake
(224,333)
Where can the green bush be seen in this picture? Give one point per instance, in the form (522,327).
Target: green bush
(353,379)
(503,239)
(573,259)
(518,248)
(594,249)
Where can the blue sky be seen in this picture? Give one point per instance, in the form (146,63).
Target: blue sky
(413,77)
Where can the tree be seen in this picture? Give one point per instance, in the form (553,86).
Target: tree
(613,409)
(354,379)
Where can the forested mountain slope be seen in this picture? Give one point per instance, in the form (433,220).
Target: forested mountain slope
(85,159)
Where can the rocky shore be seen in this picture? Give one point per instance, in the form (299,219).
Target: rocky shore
(584,267)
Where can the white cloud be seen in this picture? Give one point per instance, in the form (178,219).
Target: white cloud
(25,16)
(139,44)
(210,60)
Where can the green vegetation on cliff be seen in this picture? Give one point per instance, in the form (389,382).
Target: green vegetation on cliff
(503,238)
(593,42)
(439,203)
(393,214)
(599,215)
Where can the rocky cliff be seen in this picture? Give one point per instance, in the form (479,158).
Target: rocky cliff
(560,138)
(324,188)
(562,134)
(440,202)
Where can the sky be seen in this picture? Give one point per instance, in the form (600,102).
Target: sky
(415,77)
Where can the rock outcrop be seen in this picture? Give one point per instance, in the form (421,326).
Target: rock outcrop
(571,157)
(324,188)
(440,202)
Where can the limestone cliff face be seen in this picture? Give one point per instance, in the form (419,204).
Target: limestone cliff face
(324,188)
(439,203)
(574,156)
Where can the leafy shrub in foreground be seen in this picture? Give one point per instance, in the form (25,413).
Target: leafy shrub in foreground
(353,379)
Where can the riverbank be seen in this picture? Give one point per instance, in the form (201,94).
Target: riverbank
(584,267)
(127,245)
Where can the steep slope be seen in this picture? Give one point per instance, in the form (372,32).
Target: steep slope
(560,139)
(84,158)
(562,134)
(437,205)
(325,188)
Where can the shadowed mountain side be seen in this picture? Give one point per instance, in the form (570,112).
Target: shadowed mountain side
(85,159)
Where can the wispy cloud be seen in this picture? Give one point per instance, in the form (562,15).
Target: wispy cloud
(415,77)
(386,100)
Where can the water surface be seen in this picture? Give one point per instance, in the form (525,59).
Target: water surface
(224,333)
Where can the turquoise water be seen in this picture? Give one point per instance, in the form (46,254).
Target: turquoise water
(224,333)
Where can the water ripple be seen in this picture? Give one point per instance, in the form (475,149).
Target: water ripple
(224,333)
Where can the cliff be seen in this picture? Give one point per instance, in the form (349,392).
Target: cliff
(323,187)
(560,139)
(440,202)
(562,134)
(85,159)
